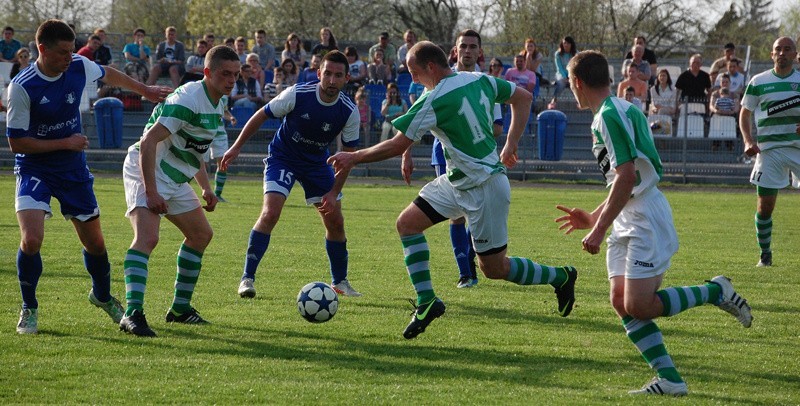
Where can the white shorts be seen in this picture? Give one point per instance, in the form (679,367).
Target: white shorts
(180,197)
(773,166)
(219,145)
(643,238)
(485,207)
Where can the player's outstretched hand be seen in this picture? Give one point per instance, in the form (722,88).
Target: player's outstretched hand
(157,94)
(230,155)
(328,204)
(156,203)
(77,142)
(342,162)
(211,200)
(508,156)
(576,219)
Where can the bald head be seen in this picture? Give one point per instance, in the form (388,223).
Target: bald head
(784,53)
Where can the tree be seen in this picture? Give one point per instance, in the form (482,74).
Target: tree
(790,19)
(27,15)
(154,17)
(435,20)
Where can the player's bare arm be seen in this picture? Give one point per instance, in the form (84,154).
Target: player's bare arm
(407,166)
(147,163)
(30,145)
(520,103)
(250,128)
(328,203)
(344,161)
(208,195)
(116,78)
(618,197)
(746,125)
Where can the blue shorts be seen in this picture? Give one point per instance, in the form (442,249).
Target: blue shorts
(280,175)
(73,190)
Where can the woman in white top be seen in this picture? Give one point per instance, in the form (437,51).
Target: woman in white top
(663,96)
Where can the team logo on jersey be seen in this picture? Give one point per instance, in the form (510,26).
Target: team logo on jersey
(305,117)
(70,98)
(44,100)
(794,86)
(326,127)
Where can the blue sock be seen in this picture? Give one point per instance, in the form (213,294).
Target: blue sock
(460,239)
(100,270)
(29,269)
(337,255)
(256,247)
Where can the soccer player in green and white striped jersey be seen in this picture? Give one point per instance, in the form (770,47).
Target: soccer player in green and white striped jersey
(457,109)
(774,98)
(643,237)
(156,175)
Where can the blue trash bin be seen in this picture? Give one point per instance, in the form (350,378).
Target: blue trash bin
(551,126)
(108,117)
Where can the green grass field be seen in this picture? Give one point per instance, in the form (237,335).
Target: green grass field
(499,343)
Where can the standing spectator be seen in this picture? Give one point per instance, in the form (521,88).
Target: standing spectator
(103,56)
(255,62)
(290,71)
(777,145)
(210,39)
(663,97)
(496,68)
(389,52)
(247,92)
(566,50)
(379,71)
(170,57)
(642,66)
(639,86)
(364,113)
(265,51)
(23,61)
(9,46)
(293,49)
(44,131)
(195,65)
(648,56)
(358,69)
(520,74)
(91,47)
(230,42)
(278,85)
(393,106)
(694,84)
(327,42)
(728,52)
(156,174)
(736,78)
(309,74)
(240,45)
(409,39)
(137,57)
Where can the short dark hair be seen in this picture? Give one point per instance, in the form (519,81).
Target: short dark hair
(336,57)
(52,31)
(95,36)
(202,42)
(384,34)
(730,46)
(591,67)
(219,54)
(351,51)
(8,28)
(427,52)
(630,89)
(470,33)
(138,30)
(261,32)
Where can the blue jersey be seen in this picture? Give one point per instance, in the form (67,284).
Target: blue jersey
(47,108)
(309,125)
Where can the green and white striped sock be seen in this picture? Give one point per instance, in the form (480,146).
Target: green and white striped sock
(647,338)
(523,271)
(188,270)
(678,299)
(135,271)
(764,232)
(220,178)
(417,255)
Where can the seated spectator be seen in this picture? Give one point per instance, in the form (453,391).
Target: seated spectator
(409,39)
(290,72)
(240,45)
(265,51)
(694,84)
(364,113)
(719,64)
(736,78)
(648,56)
(723,101)
(23,61)
(9,46)
(170,57)
(415,90)
(642,66)
(278,84)
(91,47)
(210,40)
(520,74)
(137,57)
(309,74)
(255,62)
(103,56)
(391,108)
(639,86)
(293,49)
(230,42)
(196,63)
(566,50)
(631,98)
(327,42)
(389,51)
(533,58)
(379,72)
(358,69)
(496,68)
(663,97)
(246,91)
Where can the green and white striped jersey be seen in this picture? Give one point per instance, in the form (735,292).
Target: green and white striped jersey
(459,112)
(621,135)
(775,102)
(193,121)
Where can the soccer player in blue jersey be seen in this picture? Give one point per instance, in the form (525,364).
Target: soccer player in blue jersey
(313,115)
(43,130)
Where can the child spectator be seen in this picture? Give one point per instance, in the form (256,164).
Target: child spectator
(364,112)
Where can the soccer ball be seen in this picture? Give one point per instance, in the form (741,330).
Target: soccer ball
(317,302)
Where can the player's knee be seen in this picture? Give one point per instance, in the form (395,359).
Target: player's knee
(31,243)
(269,218)
(618,303)
(95,246)
(145,243)
(201,238)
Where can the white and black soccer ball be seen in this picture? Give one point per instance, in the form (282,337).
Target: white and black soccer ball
(317,302)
